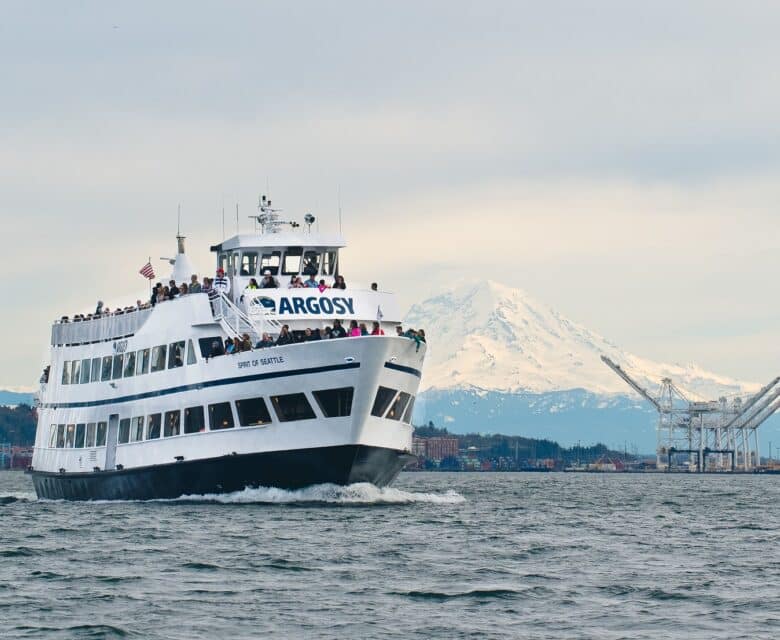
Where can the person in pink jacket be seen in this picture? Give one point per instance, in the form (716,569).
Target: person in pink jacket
(354,330)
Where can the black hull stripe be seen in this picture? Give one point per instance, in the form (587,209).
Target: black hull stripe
(399,367)
(202,385)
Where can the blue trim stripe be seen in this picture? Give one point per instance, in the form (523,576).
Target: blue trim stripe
(398,367)
(203,385)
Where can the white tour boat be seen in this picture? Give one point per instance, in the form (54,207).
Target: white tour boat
(146,404)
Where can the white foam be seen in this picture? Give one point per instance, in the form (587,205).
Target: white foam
(360,493)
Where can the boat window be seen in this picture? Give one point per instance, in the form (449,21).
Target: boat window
(75,371)
(194,420)
(105,372)
(252,412)
(311,263)
(95,369)
(60,436)
(249,264)
(335,403)
(329,263)
(211,347)
(384,396)
(124,431)
(291,407)
(153,426)
(270,262)
(158,358)
(90,442)
(130,364)
(85,369)
(137,429)
(70,436)
(292,261)
(222,262)
(116,370)
(172,423)
(100,435)
(66,372)
(233,270)
(53,436)
(176,355)
(81,430)
(190,353)
(399,406)
(408,413)
(220,416)
(142,361)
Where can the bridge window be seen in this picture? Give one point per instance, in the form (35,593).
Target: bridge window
(233,264)
(270,262)
(129,364)
(222,261)
(194,420)
(116,371)
(153,426)
(137,429)
(105,370)
(311,263)
(329,263)
(70,436)
(335,403)
(249,264)
(399,406)
(100,434)
(384,396)
(90,442)
(158,358)
(124,431)
(211,347)
(190,353)
(176,355)
(220,416)
(172,423)
(66,372)
(60,436)
(75,371)
(81,430)
(252,412)
(85,369)
(291,407)
(142,361)
(292,261)
(408,413)
(95,369)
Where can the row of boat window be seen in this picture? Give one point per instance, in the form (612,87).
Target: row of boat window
(393,404)
(126,365)
(251,412)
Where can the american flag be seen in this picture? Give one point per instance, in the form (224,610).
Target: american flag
(147,271)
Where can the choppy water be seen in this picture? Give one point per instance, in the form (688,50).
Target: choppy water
(436,556)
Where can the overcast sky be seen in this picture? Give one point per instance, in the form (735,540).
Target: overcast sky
(616,160)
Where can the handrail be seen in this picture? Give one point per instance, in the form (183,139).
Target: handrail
(233,320)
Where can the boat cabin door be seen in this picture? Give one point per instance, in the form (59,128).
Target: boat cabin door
(111,437)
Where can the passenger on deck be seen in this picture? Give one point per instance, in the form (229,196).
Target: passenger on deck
(246,342)
(311,282)
(339,283)
(421,335)
(173,290)
(376,329)
(183,290)
(327,333)
(252,284)
(354,330)
(322,286)
(195,286)
(229,346)
(207,288)
(284,336)
(265,342)
(221,284)
(363,329)
(307,336)
(338,330)
(99,307)
(268,281)
(374,286)
(399,331)
(155,294)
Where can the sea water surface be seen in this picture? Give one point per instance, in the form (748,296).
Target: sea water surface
(470,555)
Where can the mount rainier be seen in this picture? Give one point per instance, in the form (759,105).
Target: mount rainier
(500,361)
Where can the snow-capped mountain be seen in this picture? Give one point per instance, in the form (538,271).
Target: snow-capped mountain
(500,361)
(495,338)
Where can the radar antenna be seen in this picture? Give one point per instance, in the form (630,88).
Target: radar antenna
(269,219)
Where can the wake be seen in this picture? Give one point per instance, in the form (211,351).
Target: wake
(355,494)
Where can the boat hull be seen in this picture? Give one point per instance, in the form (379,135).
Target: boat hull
(291,469)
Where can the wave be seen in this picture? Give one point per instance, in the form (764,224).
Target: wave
(361,493)
(17,497)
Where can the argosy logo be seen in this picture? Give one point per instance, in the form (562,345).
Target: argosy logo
(311,305)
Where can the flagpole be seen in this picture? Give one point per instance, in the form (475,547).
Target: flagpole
(150,282)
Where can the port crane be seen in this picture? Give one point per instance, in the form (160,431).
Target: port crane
(712,435)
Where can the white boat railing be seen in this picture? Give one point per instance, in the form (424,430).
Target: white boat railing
(236,323)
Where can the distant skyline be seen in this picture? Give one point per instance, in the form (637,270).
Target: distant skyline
(617,161)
